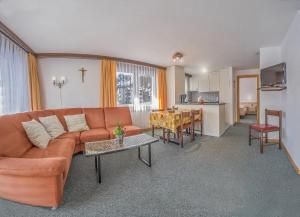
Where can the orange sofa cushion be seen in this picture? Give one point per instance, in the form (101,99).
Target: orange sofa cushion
(32,167)
(56,148)
(71,135)
(13,138)
(94,117)
(129,131)
(116,115)
(60,113)
(94,135)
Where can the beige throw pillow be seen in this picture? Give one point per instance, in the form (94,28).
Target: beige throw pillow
(76,123)
(36,133)
(52,125)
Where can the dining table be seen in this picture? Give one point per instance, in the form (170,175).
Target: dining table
(170,120)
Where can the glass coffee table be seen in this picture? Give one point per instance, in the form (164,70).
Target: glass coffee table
(98,148)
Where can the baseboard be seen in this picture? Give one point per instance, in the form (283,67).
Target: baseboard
(296,168)
(294,165)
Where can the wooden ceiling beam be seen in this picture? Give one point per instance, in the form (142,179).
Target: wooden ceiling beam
(94,57)
(12,36)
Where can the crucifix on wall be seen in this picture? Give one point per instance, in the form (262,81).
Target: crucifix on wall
(82,70)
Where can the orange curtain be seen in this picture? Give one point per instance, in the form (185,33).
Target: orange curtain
(34,84)
(108,83)
(162,89)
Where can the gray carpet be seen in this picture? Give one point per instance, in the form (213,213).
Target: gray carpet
(248,119)
(209,177)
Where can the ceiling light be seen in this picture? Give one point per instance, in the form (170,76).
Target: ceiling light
(177,58)
(204,70)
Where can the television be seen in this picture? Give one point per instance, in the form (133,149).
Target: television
(274,76)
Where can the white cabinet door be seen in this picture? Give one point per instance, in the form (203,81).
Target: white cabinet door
(203,83)
(224,86)
(194,83)
(214,81)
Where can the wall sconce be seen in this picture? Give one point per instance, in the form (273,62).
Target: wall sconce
(58,83)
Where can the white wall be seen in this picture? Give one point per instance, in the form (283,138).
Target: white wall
(247,72)
(226,94)
(179,83)
(291,55)
(248,90)
(287,100)
(170,76)
(74,93)
(175,84)
(272,99)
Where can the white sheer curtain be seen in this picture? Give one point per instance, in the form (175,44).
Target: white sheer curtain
(140,86)
(14,94)
(137,88)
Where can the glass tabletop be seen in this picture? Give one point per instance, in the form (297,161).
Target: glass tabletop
(109,146)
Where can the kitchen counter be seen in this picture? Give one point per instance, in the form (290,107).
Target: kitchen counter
(205,103)
(214,123)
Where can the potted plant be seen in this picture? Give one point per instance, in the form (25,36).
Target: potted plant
(119,133)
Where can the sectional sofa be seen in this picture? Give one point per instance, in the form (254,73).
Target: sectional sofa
(37,176)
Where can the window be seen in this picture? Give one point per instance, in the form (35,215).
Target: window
(13,77)
(136,85)
(145,89)
(125,88)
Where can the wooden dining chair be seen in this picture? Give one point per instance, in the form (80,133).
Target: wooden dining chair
(198,119)
(157,110)
(264,129)
(185,125)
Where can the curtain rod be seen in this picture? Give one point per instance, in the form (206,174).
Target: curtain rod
(94,57)
(12,36)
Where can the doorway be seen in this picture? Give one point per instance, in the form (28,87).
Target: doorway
(248,99)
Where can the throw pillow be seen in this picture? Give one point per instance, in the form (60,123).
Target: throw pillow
(76,123)
(53,126)
(36,133)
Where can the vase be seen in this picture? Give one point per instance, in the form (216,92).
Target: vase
(120,139)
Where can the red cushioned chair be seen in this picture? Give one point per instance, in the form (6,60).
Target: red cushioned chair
(264,129)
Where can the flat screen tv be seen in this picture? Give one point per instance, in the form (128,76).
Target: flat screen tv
(274,76)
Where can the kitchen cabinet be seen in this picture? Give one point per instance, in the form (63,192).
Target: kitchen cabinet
(214,81)
(194,83)
(205,82)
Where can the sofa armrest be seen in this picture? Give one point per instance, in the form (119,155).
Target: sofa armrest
(32,166)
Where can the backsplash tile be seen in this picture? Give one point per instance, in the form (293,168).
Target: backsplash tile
(212,96)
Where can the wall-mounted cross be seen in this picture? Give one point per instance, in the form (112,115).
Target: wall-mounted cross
(82,70)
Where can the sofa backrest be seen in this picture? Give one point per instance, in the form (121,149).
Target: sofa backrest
(36,114)
(94,117)
(116,115)
(13,138)
(60,113)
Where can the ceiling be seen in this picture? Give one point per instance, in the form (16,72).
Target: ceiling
(210,33)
